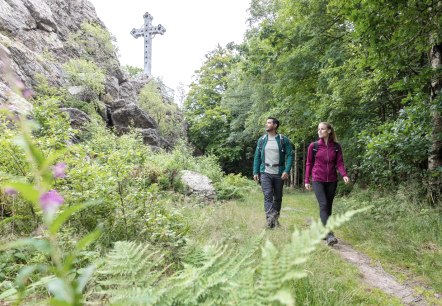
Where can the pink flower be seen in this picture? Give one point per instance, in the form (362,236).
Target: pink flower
(58,170)
(50,201)
(10,191)
(18,83)
(27,93)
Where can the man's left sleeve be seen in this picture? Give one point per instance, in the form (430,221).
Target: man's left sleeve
(289,155)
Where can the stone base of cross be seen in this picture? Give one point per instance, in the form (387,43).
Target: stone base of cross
(148,32)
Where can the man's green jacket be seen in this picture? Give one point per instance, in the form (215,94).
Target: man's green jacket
(285,159)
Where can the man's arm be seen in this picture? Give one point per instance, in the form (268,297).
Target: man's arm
(256,161)
(289,154)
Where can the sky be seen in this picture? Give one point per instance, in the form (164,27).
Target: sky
(193,28)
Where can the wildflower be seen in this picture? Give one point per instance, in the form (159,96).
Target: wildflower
(50,201)
(27,93)
(58,170)
(10,191)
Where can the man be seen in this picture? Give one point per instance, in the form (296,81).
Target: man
(271,165)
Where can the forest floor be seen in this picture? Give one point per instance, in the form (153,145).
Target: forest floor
(338,275)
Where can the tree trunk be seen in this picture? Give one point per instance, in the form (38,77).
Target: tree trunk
(304,157)
(435,157)
(295,168)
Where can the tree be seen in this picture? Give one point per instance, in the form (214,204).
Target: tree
(208,119)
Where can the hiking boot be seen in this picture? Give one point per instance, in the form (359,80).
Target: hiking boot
(331,240)
(271,221)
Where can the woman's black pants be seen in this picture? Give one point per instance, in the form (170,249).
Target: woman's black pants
(325,193)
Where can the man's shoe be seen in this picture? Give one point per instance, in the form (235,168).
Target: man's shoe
(277,224)
(331,240)
(271,221)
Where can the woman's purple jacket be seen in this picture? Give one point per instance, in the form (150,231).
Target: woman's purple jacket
(326,162)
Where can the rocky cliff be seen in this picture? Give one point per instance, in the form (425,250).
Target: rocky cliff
(37,39)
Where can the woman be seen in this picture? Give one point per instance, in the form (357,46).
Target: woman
(324,157)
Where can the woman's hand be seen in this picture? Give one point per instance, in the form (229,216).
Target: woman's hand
(308,186)
(346,179)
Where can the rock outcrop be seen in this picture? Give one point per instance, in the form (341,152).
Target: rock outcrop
(36,39)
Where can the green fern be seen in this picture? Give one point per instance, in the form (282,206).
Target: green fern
(213,275)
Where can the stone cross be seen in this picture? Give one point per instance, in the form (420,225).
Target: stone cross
(149,32)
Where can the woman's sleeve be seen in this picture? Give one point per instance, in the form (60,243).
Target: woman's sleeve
(308,164)
(340,163)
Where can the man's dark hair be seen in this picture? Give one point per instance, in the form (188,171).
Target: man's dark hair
(275,121)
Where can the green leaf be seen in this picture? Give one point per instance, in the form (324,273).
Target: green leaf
(89,238)
(62,217)
(27,190)
(40,245)
(86,274)
(9,295)
(284,297)
(26,272)
(35,153)
(62,292)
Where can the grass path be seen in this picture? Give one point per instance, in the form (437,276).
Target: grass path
(333,279)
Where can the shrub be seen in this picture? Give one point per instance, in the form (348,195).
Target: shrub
(85,73)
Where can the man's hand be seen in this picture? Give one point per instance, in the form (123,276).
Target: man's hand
(308,186)
(284,176)
(256,177)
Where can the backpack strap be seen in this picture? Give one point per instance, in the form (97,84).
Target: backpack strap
(315,150)
(281,140)
(260,142)
(337,148)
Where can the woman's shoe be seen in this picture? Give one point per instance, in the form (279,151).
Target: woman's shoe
(331,240)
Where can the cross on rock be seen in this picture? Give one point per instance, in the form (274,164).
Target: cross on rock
(149,32)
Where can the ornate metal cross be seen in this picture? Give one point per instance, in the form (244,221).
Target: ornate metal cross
(149,32)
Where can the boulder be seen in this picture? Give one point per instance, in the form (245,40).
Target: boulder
(151,137)
(78,118)
(198,184)
(130,115)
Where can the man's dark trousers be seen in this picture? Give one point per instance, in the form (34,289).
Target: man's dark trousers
(271,185)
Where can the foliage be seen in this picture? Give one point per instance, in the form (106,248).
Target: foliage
(85,73)
(165,113)
(132,70)
(401,231)
(233,186)
(208,119)
(95,43)
(364,67)
(210,275)
(63,281)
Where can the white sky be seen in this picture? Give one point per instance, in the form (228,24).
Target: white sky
(193,28)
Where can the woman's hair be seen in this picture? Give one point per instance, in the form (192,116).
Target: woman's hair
(333,133)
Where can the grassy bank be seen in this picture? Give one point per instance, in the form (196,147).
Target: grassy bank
(405,237)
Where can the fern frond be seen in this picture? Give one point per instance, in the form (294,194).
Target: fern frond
(212,275)
(127,268)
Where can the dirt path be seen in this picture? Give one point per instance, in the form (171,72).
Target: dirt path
(375,276)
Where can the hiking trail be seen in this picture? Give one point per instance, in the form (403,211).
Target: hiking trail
(375,276)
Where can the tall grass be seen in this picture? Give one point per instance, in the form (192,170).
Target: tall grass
(330,280)
(405,235)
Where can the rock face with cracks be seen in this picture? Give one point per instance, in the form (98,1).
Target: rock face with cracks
(36,40)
